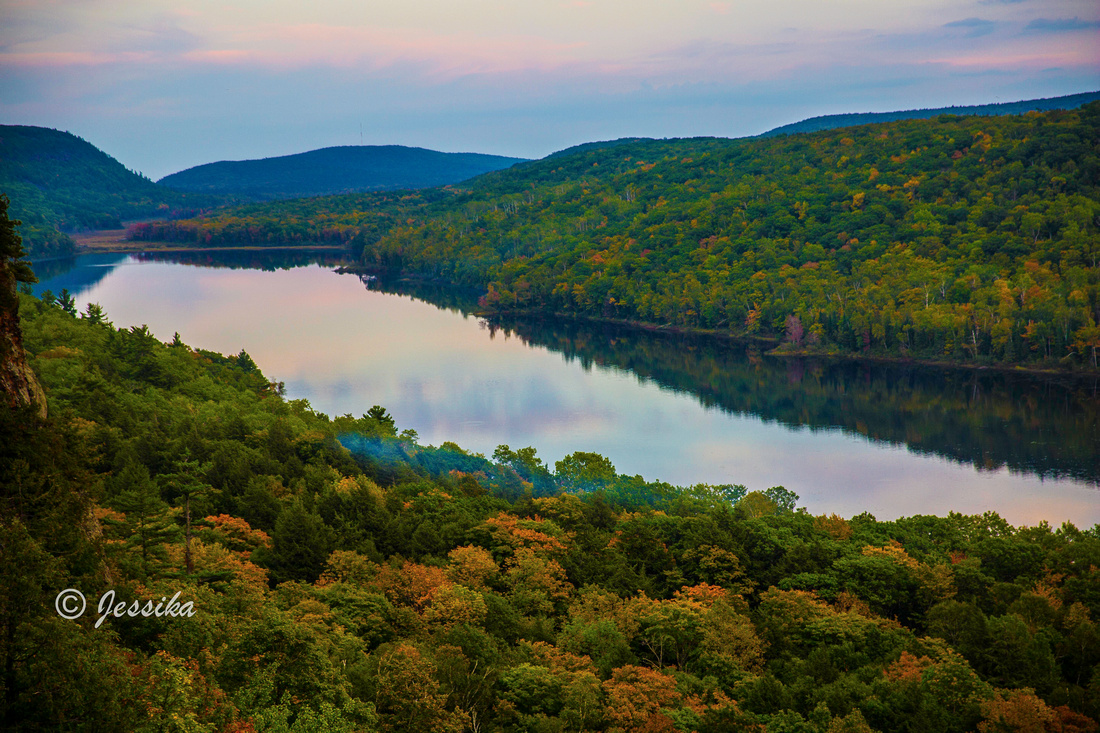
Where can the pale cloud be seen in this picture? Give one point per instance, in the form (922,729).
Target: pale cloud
(452,38)
(446,54)
(1012,60)
(164,34)
(973,27)
(532,34)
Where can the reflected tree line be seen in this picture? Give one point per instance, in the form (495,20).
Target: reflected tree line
(78,274)
(1038,424)
(265,259)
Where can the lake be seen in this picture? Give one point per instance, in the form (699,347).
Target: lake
(847,436)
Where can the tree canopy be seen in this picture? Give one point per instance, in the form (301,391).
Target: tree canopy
(346,577)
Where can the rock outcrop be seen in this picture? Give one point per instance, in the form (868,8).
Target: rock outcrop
(18,385)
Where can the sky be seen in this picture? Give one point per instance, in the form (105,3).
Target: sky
(163,86)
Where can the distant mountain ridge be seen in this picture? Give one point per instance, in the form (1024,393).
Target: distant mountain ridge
(344,169)
(832,122)
(59,183)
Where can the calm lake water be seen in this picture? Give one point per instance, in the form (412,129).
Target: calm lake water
(847,437)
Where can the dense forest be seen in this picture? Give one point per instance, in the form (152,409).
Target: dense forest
(344,169)
(970,239)
(344,577)
(326,220)
(59,184)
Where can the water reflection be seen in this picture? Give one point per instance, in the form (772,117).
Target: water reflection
(267,259)
(80,273)
(848,437)
(1048,426)
(75,274)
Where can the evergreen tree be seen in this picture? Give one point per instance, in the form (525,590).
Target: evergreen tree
(301,545)
(148,525)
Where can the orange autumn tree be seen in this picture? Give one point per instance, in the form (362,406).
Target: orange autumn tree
(636,695)
(509,533)
(236,534)
(701,626)
(472,566)
(530,549)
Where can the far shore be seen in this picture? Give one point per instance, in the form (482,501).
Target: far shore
(780,349)
(115,241)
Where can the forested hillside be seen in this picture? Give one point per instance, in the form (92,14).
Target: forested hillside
(324,220)
(59,184)
(344,577)
(344,169)
(969,239)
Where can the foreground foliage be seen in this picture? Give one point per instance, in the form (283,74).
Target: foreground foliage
(347,578)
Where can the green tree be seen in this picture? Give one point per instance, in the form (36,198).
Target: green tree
(301,543)
(11,249)
(584,472)
(148,526)
(66,301)
(187,483)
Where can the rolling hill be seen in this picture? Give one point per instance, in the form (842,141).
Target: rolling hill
(965,238)
(346,169)
(59,183)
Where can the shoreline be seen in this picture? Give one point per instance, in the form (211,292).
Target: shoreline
(777,349)
(776,344)
(113,241)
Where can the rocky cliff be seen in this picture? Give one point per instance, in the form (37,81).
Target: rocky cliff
(18,385)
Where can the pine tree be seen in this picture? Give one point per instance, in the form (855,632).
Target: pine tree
(148,524)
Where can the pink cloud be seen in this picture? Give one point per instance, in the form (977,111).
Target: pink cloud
(224,56)
(1067,57)
(290,46)
(60,59)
